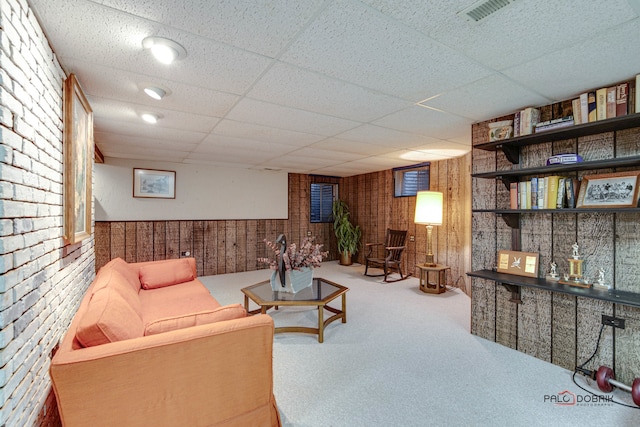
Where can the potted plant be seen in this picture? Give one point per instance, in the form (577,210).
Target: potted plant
(293,265)
(347,234)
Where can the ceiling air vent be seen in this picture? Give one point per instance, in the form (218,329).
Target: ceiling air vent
(483,8)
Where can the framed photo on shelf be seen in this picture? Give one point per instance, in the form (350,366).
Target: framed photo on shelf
(155,184)
(518,263)
(609,190)
(78,162)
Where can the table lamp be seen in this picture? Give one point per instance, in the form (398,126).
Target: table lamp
(429,213)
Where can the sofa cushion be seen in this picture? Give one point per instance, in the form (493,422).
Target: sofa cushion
(166,273)
(108,318)
(170,301)
(228,312)
(113,279)
(130,274)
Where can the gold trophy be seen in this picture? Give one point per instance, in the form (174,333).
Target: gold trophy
(575,270)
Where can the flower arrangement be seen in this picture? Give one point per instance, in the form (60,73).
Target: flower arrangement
(309,254)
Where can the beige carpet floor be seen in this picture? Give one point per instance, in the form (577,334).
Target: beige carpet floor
(406,358)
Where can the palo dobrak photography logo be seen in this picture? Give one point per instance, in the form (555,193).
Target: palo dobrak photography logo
(567,398)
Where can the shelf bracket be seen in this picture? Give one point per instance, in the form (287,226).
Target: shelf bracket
(511,219)
(511,151)
(515,293)
(507,180)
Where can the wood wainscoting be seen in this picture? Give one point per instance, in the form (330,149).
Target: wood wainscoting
(230,246)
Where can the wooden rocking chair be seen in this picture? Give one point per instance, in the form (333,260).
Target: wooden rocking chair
(394,246)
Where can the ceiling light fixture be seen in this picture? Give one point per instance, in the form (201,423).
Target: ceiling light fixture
(155,92)
(164,50)
(150,118)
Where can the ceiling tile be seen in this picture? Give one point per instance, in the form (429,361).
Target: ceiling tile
(141,129)
(347,146)
(426,122)
(382,136)
(264,133)
(596,62)
(355,43)
(266,114)
(262,26)
(294,87)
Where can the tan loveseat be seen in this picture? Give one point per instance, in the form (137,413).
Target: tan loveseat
(150,346)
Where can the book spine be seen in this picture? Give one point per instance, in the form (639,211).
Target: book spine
(622,90)
(541,193)
(516,124)
(631,97)
(591,103)
(601,103)
(637,97)
(570,193)
(527,198)
(561,194)
(584,107)
(513,195)
(525,122)
(552,126)
(552,194)
(611,102)
(575,110)
(546,193)
(534,193)
(522,186)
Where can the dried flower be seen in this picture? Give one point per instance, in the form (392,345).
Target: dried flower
(308,255)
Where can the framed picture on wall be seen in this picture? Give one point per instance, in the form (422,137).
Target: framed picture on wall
(609,190)
(78,162)
(155,184)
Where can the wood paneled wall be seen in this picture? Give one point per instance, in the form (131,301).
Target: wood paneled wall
(229,246)
(374,208)
(558,328)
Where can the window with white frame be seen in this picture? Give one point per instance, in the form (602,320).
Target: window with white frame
(409,180)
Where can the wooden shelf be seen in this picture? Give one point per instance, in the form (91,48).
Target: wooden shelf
(511,147)
(616,296)
(511,175)
(559,211)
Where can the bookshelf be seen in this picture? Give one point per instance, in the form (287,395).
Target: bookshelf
(548,320)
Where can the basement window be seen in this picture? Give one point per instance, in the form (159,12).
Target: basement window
(408,180)
(322,197)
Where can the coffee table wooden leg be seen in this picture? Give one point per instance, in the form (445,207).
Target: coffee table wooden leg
(246,303)
(320,324)
(344,308)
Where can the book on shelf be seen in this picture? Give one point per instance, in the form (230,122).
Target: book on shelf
(516,123)
(571,190)
(554,124)
(575,109)
(591,105)
(636,86)
(601,103)
(529,117)
(622,90)
(552,191)
(584,107)
(534,193)
(513,195)
(541,193)
(631,98)
(611,102)
(561,193)
(522,186)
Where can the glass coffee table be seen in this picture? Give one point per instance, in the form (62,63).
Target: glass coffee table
(319,294)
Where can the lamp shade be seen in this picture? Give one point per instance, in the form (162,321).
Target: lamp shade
(428,208)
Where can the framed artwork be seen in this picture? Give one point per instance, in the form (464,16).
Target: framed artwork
(156,184)
(609,190)
(518,263)
(78,162)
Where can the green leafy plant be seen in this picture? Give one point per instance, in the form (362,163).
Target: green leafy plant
(347,234)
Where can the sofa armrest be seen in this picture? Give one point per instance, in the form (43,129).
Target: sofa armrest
(203,375)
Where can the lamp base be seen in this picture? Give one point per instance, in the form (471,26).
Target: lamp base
(429,264)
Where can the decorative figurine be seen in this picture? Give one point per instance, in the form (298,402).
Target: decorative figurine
(575,270)
(553,273)
(600,283)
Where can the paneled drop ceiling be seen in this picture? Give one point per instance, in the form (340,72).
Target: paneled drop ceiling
(329,87)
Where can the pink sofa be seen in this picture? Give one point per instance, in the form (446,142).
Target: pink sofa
(149,345)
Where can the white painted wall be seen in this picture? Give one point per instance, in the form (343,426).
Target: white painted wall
(202,193)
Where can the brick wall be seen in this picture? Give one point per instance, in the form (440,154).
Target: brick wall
(42,280)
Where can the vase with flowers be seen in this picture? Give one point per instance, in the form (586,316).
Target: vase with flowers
(293,265)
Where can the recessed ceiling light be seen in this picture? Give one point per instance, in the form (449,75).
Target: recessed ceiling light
(164,50)
(155,92)
(150,118)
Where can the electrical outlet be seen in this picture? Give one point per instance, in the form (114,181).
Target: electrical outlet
(308,234)
(185,253)
(616,322)
(412,238)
